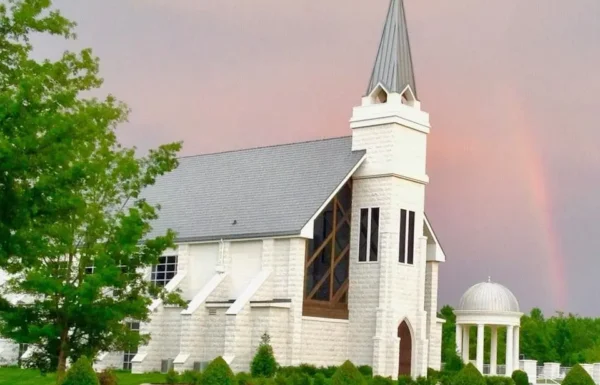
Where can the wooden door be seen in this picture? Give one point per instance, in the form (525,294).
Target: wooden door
(405,350)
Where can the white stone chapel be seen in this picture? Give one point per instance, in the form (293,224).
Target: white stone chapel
(324,245)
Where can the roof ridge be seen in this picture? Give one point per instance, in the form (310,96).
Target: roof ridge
(264,147)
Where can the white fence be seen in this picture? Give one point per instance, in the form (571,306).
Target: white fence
(549,373)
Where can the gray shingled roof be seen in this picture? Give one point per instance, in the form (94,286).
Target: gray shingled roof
(269,191)
(393,66)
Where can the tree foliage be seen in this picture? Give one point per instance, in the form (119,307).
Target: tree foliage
(69,200)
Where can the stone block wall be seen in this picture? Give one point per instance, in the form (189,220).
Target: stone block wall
(324,341)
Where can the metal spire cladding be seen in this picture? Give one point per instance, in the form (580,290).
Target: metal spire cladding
(393,65)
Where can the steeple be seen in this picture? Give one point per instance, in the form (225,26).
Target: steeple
(393,65)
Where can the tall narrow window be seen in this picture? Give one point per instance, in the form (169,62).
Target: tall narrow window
(402,252)
(368,245)
(411,237)
(364,235)
(374,242)
(407,237)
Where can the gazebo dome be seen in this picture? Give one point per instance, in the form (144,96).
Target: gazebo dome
(489,296)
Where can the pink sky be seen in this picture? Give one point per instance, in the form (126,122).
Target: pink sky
(510,85)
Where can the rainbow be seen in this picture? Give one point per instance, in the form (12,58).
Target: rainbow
(541,199)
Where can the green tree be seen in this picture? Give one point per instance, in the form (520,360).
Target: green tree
(70,200)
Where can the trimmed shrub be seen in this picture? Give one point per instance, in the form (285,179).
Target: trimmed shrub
(469,375)
(499,380)
(378,380)
(319,379)
(577,376)
(405,380)
(108,377)
(81,373)
(263,381)
(308,369)
(329,371)
(280,379)
(172,377)
(424,381)
(348,374)
(217,373)
(191,377)
(366,370)
(520,377)
(243,379)
(299,379)
(264,363)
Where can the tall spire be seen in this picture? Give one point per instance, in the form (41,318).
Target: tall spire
(393,65)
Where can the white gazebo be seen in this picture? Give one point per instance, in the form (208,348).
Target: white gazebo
(493,305)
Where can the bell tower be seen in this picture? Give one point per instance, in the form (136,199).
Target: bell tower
(388,261)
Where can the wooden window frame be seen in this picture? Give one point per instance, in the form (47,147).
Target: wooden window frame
(337,304)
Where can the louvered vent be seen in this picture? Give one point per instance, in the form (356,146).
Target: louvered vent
(212,311)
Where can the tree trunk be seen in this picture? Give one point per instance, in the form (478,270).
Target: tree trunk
(62,356)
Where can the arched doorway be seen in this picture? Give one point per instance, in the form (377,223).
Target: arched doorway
(405,356)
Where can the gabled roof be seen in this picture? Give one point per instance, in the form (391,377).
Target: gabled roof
(393,66)
(266,192)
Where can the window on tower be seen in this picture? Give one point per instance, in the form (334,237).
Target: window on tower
(407,237)
(368,244)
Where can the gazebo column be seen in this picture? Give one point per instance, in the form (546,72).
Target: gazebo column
(516,348)
(510,353)
(480,340)
(494,351)
(459,340)
(465,344)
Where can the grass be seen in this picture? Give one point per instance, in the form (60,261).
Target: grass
(14,376)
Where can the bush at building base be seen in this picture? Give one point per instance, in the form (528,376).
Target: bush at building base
(348,374)
(217,373)
(264,364)
(520,377)
(578,376)
(499,380)
(379,380)
(81,373)
(469,375)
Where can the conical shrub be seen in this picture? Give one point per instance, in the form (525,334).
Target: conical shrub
(348,374)
(578,376)
(217,373)
(81,373)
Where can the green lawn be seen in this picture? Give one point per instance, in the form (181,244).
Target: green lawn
(15,376)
